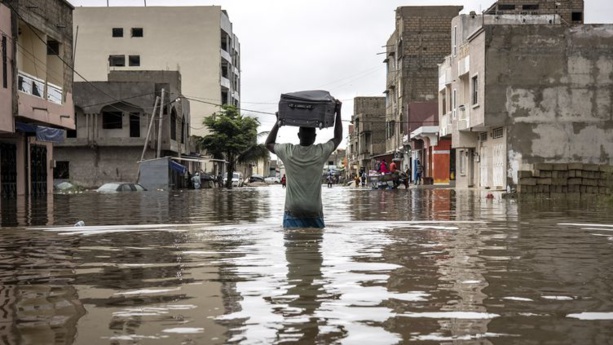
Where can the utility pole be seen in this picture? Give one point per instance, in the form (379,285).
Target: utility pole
(160,125)
(157,99)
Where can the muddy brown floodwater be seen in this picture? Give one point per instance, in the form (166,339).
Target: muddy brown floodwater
(425,266)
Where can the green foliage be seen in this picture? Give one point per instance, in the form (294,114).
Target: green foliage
(233,137)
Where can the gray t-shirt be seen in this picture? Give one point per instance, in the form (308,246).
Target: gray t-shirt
(303,167)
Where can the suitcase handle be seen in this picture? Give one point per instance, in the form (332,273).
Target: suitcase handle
(300,106)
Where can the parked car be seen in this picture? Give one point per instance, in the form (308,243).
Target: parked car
(272,179)
(256,178)
(114,187)
(237,179)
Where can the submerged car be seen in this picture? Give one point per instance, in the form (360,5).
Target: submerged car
(113,187)
(256,178)
(272,179)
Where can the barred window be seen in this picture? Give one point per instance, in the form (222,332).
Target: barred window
(497,133)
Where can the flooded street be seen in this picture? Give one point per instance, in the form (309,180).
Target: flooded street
(424,266)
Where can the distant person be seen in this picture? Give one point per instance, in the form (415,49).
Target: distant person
(196,180)
(395,174)
(303,165)
(330,179)
(283,181)
(383,167)
(418,172)
(393,167)
(356,180)
(364,177)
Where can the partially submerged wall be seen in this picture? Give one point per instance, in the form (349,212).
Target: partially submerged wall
(552,88)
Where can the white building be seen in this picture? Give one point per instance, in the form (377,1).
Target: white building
(196,41)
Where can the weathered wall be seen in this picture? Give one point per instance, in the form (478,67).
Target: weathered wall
(552,87)
(92,167)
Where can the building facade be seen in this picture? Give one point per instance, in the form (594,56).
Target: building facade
(523,94)
(35,93)
(121,122)
(419,43)
(368,137)
(196,41)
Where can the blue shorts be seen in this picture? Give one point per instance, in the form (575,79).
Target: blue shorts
(290,221)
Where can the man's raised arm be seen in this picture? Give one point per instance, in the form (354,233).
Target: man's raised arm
(272,137)
(338,125)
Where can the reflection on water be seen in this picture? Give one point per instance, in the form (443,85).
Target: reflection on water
(428,266)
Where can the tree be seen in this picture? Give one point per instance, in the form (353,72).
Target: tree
(233,137)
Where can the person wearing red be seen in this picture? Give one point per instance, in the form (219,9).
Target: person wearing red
(383,167)
(393,167)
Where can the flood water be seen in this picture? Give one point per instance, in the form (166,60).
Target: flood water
(423,266)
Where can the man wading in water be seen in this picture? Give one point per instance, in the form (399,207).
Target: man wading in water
(303,166)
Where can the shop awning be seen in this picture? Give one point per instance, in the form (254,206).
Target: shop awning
(54,135)
(177,167)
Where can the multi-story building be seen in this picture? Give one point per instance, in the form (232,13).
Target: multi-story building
(196,41)
(123,121)
(419,43)
(368,131)
(523,91)
(35,92)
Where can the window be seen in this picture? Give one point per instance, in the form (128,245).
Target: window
(454,96)
(53,47)
(454,42)
(117,60)
(117,32)
(577,16)
(61,170)
(463,162)
(112,120)
(497,133)
(483,136)
(4,64)
(137,32)
(475,93)
(530,7)
(134,60)
(506,7)
(72,133)
(173,125)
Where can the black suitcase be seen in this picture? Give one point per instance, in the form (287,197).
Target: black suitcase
(313,108)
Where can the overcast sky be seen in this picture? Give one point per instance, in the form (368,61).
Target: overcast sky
(334,45)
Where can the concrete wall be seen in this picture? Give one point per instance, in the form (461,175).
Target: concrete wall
(189,43)
(6,94)
(552,87)
(92,167)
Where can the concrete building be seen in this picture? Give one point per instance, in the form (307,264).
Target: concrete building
(118,125)
(419,43)
(527,101)
(196,41)
(35,93)
(368,137)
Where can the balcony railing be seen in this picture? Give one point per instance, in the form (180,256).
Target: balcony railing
(34,86)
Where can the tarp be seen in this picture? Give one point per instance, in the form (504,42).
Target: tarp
(43,133)
(177,167)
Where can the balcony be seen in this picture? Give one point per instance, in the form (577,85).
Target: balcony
(463,118)
(34,86)
(464,66)
(445,125)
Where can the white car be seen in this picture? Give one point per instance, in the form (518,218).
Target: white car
(237,179)
(114,187)
(272,179)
